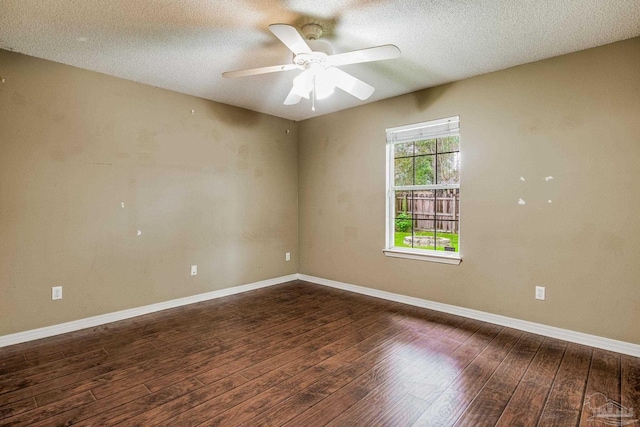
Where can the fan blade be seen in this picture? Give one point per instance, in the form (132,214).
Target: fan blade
(350,84)
(377,53)
(261,70)
(290,37)
(292,98)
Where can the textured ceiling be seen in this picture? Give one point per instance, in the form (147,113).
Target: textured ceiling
(185,45)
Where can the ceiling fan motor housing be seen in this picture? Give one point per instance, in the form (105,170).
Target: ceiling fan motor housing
(311,31)
(320,49)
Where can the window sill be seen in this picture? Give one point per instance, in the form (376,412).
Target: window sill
(431,256)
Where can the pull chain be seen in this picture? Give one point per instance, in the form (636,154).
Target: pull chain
(313,94)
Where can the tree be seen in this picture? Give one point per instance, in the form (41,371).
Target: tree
(415,162)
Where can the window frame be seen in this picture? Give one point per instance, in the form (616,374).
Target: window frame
(416,132)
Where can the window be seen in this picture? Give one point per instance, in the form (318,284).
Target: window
(423,191)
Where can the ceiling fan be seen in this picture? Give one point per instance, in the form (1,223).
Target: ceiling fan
(320,75)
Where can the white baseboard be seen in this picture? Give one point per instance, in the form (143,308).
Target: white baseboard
(523,325)
(90,322)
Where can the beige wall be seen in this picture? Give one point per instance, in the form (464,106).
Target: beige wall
(574,117)
(220,189)
(217,188)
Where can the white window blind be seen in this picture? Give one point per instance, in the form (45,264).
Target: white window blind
(421,131)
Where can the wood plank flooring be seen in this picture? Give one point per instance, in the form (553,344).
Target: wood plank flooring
(299,354)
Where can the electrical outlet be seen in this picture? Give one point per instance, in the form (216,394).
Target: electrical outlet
(540,292)
(287,256)
(56,292)
(194,270)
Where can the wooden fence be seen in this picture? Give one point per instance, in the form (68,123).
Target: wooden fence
(429,212)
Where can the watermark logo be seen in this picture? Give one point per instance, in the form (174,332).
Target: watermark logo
(609,412)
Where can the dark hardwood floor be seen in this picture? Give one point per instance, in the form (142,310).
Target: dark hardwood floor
(299,354)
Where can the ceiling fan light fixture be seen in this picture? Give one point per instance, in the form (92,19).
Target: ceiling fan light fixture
(323,84)
(314,79)
(303,84)
(324,90)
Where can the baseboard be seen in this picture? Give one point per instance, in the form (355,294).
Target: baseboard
(90,322)
(523,325)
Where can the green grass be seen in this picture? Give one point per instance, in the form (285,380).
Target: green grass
(399,237)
